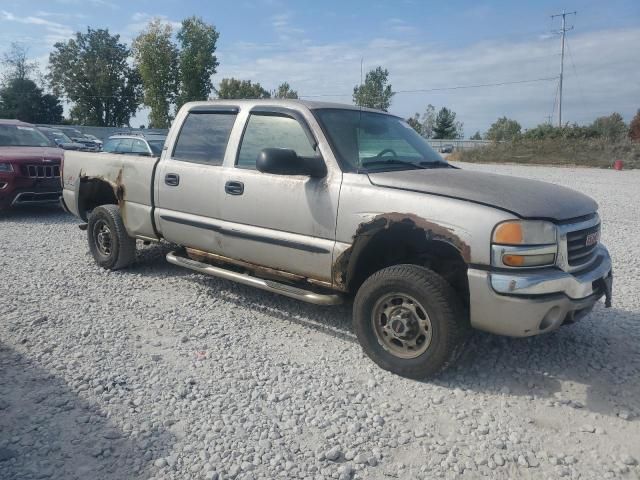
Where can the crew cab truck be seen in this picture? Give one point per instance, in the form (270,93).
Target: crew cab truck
(326,203)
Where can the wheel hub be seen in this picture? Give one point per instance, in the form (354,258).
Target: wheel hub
(102,234)
(402,325)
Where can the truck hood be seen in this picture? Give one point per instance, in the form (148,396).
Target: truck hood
(29,154)
(522,197)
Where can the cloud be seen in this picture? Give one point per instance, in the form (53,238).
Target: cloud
(55,31)
(604,79)
(285,31)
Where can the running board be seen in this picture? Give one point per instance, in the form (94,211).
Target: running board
(268,285)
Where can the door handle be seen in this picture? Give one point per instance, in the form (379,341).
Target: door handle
(234,188)
(172,179)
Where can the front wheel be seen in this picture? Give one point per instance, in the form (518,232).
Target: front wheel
(409,321)
(112,248)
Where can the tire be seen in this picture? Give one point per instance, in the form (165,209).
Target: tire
(395,301)
(115,249)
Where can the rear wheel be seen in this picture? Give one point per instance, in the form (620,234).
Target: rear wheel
(112,248)
(409,321)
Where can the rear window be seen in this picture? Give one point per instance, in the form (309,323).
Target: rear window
(203,137)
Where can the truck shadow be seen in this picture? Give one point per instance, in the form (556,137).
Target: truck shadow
(47,430)
(31,214)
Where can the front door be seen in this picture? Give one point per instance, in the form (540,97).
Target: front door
(285,222)
(189,188)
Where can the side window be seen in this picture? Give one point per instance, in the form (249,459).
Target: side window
(203,137)
(111,145)
(272,131)
(139,147)
(124,146)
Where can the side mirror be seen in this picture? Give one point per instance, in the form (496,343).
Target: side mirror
(284,161)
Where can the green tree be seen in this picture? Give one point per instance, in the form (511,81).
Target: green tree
(375,92)
(503,129)
(446,126)
(415,123)
(197,59)
(428,121)
(20,96)
(16,63)
(476,136)
(285,91)
(92,71)
(156,58)
(611,128)
(24,100)
(634,127)
(232,88)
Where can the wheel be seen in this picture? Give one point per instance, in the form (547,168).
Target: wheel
(111,246)
(409,321)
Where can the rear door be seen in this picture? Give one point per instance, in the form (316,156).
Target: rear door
(189,179)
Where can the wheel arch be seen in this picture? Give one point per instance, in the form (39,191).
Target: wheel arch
(93,192)
(393,239)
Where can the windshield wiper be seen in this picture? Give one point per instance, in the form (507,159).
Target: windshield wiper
(394,161)
(436,165)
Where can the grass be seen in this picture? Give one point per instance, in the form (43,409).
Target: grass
(587,153)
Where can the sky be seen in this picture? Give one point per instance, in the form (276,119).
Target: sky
(427,46)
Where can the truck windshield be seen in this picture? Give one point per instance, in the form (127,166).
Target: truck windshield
(367,141)
(22,136)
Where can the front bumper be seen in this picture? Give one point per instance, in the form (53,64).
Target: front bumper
(25,191)
(520,304)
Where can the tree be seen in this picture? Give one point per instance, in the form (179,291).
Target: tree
(197,59)
(446,126)
(476,136)
(20,96)
(285,91)
(16,64)
(232,88)
(92,71)
(634,127)
(24,100)
(428,121)
(611,128)
(156,58)
(415,123)
(503,129)
(375,92)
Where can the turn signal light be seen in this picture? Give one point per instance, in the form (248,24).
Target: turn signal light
(528,260)
(509,233)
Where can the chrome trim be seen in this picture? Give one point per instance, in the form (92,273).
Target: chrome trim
(498,251)
(562,259)
(268,285)
(575,286)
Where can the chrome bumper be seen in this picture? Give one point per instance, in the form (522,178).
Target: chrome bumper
(528,303)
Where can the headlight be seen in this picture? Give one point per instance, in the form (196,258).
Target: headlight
(6,167)
(524,243)
(525,232)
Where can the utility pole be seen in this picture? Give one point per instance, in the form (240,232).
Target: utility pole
(562,33)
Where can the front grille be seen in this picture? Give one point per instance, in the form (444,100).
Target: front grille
(578,252)
(42,171)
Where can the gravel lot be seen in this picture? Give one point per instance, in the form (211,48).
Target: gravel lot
(157,372)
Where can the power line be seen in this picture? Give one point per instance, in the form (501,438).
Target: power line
(438,89)
(563,31)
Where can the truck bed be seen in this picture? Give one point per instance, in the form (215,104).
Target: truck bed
(129,176)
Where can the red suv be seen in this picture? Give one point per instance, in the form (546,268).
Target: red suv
(29,166)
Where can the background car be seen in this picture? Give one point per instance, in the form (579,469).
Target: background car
(136,144)
(448,148)
(78,137)
(60,139)
(94,138)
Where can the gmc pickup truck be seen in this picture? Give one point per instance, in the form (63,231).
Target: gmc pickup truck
(29,166)
(326,203)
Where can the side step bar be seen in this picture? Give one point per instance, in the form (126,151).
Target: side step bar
(268,285)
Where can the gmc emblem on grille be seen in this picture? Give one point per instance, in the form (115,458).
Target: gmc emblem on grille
(592,239)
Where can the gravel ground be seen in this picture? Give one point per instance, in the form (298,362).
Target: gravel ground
(157,372)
